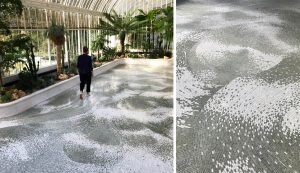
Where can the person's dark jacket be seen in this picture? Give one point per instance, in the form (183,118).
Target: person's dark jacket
(84,64)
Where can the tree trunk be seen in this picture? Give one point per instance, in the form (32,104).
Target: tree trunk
(98,57)
(69,62)
(153,40)
(63,60)
(58,59)
(122,42)
(1,80)
(149,42)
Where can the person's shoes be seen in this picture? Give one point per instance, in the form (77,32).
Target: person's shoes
(81,97)
(88,94)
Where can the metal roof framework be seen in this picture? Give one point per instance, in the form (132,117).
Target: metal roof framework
(96,7)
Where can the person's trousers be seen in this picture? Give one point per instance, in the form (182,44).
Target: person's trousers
(85,79)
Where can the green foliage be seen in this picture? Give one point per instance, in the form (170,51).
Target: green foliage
(114,24)
(31,66)
(30,63)
(29,84)
(56,33)
(9,60)
(26,83)
(11,48)
(168,54)
(164,25)
(154,54)
(146,46)
(2,90)
(9,8)
(13,53)
(38,38)
(147,19)
(73,68)
(47,81)
(119,53)
(127,47)
(5,97)
(133,55)
(99,43)
(109,53)
(159,22)
(13,43)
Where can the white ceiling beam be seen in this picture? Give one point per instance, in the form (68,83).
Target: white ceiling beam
(58,7)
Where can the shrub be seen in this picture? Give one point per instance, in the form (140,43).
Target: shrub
(28,84)
(154,54)
(160,53)
(130,55)
(135,56)
(119,53)
(109,53)
(31,66)
(48,80)
(25,83)
(73,68)
(168,54)
(40,83)
(6,97)
(2,91)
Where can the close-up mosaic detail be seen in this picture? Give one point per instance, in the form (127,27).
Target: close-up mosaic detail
(238,86)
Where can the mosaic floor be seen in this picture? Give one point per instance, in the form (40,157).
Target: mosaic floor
(238,86)
(126,125)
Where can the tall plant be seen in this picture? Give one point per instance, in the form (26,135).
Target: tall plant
(108,53)
(31,65)
(99,43)
(148,21)
(11,48)
(165,25)
(115,24)
(7,60)
(56,33)
(9,8)
(24,43)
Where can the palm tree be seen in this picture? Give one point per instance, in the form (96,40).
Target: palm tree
(148,20)
(99,43)
(56,33)
(165,25)
(114,24)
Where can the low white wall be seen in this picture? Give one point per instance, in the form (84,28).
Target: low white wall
(152,62)
(24,103)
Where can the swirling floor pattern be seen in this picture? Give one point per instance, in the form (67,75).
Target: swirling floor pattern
(238,86)
(124,126)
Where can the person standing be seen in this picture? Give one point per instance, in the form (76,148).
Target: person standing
(85,70)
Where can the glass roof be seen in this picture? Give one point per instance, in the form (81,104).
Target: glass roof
(94,6)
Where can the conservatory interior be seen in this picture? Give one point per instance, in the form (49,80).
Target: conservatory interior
(125,124)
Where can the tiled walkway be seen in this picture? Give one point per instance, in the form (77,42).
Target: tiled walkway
(124,126)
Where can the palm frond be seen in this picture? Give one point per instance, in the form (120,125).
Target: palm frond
(56,33)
